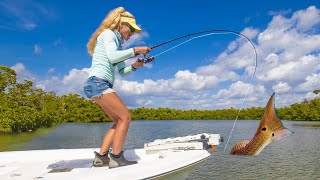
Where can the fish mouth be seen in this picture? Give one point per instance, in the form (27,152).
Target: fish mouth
(290,132)
(281,134)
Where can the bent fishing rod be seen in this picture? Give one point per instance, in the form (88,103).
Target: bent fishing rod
(201,34)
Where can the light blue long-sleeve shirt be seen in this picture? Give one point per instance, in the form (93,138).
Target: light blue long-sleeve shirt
(108,54)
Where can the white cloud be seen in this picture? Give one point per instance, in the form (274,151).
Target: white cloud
(29,25)
(51,70)
(311,83)
(306,19)
(148,87)
(73,82)
(292,71)
(250,33)
(132,60)
(51,84)
(219,70)
(182,85)
(272,59)
(23,73)
(287,53)
(281,87)
(282,12)
(185,80)
(310,96)
(136,39)
(37,49)
(238,55)
(239,89)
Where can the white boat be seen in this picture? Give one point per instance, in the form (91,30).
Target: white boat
(157,159)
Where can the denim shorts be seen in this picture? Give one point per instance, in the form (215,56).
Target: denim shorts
(95,86)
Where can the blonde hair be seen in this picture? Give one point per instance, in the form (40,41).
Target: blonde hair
(111,21)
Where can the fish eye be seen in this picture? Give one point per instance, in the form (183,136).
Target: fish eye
(272,134)
(263,129)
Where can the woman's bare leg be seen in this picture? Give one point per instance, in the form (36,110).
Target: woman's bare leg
(108,138)
(116,109)
(107,141)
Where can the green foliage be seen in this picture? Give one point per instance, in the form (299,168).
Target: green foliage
(7,77)
(24,108)
(306,111)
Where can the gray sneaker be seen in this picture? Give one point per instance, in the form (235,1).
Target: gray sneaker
(121,161)
(100,160)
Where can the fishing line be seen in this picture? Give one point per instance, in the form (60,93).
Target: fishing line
(188,41)
(208,33)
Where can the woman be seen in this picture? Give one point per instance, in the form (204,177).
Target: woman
(107,54)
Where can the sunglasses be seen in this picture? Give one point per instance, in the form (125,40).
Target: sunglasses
(131,28)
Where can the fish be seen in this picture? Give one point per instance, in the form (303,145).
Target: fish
(270,129)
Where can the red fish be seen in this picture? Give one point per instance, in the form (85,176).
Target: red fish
(270,129)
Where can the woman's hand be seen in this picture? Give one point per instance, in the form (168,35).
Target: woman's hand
(141,50)
(138,63)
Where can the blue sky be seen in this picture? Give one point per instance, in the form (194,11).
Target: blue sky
(45,41)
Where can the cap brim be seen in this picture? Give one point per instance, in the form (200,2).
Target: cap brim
(136,27)
(132,23)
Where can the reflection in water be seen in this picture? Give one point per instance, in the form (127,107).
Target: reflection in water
(310,124)
(295,157)
(16,141)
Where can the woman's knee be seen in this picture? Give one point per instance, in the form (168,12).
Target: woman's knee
(114,125)
(125,118)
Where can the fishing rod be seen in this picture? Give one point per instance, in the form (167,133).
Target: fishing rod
(201,34)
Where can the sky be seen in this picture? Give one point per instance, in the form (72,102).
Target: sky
(45,41)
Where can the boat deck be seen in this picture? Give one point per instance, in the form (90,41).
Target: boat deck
(156,159)
(77,164)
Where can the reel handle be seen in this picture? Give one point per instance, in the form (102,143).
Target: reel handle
(146,60)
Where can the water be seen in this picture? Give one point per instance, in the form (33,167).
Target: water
(294,157)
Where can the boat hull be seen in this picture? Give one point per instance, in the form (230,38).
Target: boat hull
(66,164)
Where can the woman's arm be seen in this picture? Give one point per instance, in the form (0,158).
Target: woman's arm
(137,64)
(123,70)
(113,54)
